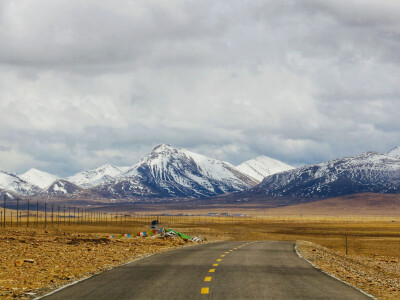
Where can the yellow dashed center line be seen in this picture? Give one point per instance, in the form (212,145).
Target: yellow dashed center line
(206,290)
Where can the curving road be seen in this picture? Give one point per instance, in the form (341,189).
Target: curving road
(223,270)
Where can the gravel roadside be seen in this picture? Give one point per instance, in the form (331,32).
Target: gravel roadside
(33,263)
(376,275)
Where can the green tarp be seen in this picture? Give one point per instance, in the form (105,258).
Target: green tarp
(181,235)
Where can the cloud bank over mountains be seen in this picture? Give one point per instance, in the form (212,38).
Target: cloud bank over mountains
(83,84)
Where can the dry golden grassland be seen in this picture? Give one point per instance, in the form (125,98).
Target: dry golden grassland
(373,244)
(34,260)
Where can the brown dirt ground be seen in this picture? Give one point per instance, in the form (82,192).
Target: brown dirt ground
(33,262)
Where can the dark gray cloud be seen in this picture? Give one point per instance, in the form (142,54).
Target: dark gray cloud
(83,84)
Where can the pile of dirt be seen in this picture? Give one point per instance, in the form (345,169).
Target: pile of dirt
(376,275)
(34,262)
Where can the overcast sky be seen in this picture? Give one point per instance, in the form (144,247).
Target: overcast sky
(83,83)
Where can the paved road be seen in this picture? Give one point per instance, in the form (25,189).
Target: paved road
(244,270)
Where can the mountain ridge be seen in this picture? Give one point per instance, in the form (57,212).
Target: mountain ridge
(13,183)
(169,171)
(39,178)
(366,172)
(263,166)
(395,152)
(97,176)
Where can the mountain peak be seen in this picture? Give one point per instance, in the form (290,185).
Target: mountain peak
(39,178)
(106,167)
(61,187)
(366,172)
(15,184)
(96,176)
(263,166)
(162,147)
(395,151)
(179,172)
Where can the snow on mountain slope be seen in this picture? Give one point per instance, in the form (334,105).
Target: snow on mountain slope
(61,187)
(169,172)
(10,195)
(125,187)
(38,178)
(13,183)
(395,152)
(262,166)
(96,176)
(367,172)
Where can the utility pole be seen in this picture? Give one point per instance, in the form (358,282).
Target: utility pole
(45,215)
(37,213)
(27,219)
(4,207)
(17,211)
(52,215)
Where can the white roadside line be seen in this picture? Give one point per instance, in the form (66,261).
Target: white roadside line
(354,287)
(128,262)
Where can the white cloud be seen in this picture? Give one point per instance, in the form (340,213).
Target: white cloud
(83,84)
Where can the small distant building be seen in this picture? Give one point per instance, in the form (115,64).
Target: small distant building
(212,214)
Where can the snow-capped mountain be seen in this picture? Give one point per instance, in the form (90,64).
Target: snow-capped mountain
(12,183)
(169,172)
(125,187)
(367,172)
(38,178)
(10,195)
(262,166)
(395,152)
(61,187)
(96,176)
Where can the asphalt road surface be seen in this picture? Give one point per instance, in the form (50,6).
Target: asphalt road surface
(223,270)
